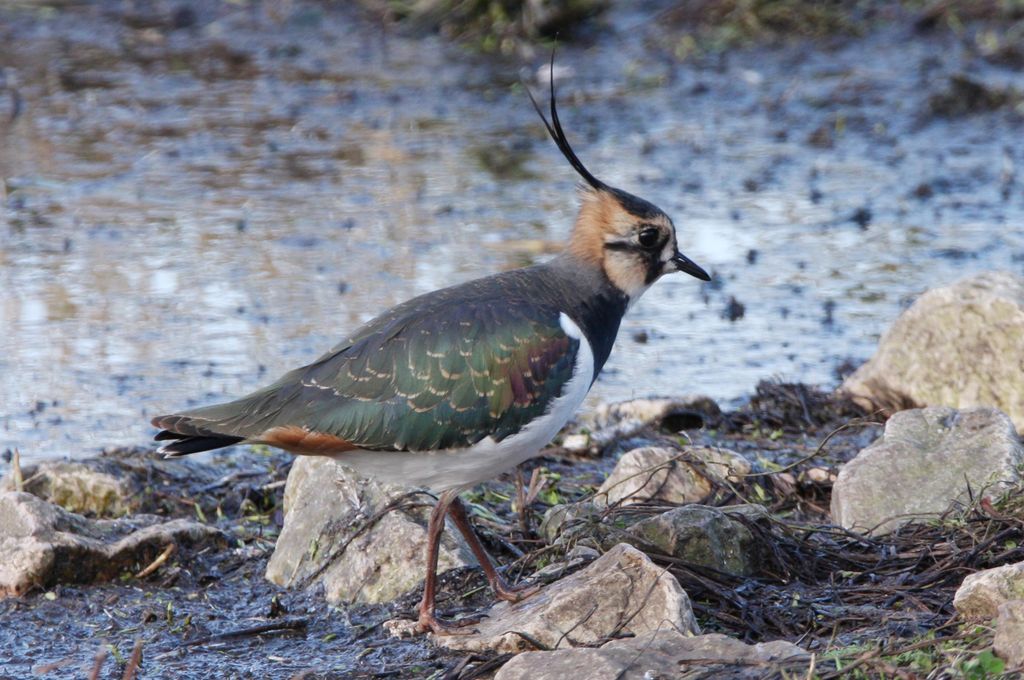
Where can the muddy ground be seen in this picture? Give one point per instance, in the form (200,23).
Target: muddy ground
(213,612)
(875,608)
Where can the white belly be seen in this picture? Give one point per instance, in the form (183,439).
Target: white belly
(460,468)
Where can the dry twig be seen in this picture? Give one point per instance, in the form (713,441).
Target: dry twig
(159,561)
(273,626)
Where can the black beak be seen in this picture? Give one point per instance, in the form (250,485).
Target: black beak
(685,264)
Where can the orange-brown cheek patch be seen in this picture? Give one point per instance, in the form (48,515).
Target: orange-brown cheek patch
(592,224)
(299,440)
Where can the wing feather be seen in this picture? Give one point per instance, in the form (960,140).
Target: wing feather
(419,378)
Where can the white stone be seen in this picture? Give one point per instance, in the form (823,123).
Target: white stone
(669,475)
(620,593)
(662,654)
(981,593)
(336,531)
(924,461)
(652,410)
(37,538)
(78,487)
(961,346)
(611,423)
(1009,637)
(820,475)
(576,442)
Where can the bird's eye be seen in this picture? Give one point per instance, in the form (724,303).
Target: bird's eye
(648,237)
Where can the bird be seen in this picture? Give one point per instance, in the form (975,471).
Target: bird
(458,385)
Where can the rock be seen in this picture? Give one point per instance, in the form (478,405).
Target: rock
(658,411)
(336,531)
(126,481)
(620,593)
(93,487)
(661,654)
(576,442)
(819,475)
(559,517)
(669,475)
(966,94)
(718,538)
(42,544)
(622,420)
(751,512)
(924,461)
(960,345)
(1009,638)
(575,558)
(585,524)
(700,535)
(981,593)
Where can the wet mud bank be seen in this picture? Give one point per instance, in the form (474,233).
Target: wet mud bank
(747,537)
(207,607)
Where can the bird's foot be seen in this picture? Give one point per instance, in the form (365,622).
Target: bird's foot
(429,623)
(513,594)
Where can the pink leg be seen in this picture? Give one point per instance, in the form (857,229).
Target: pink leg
(427,620)
(501,589)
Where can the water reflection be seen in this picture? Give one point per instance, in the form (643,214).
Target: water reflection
(187,216)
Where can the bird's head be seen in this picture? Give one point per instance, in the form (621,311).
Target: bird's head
(631,239)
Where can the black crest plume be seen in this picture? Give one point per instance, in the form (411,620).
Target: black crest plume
(557,134)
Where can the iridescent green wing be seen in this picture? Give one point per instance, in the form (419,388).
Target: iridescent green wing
(431,374)
(443,380)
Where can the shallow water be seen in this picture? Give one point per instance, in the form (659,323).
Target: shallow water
(189,212)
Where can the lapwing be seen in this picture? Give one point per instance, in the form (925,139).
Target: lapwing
(459,385)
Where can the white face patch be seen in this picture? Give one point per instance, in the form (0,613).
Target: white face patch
(667,253)
(668,266)
(629,265)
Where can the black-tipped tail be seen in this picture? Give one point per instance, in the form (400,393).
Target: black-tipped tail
(188,437)
(186,445)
